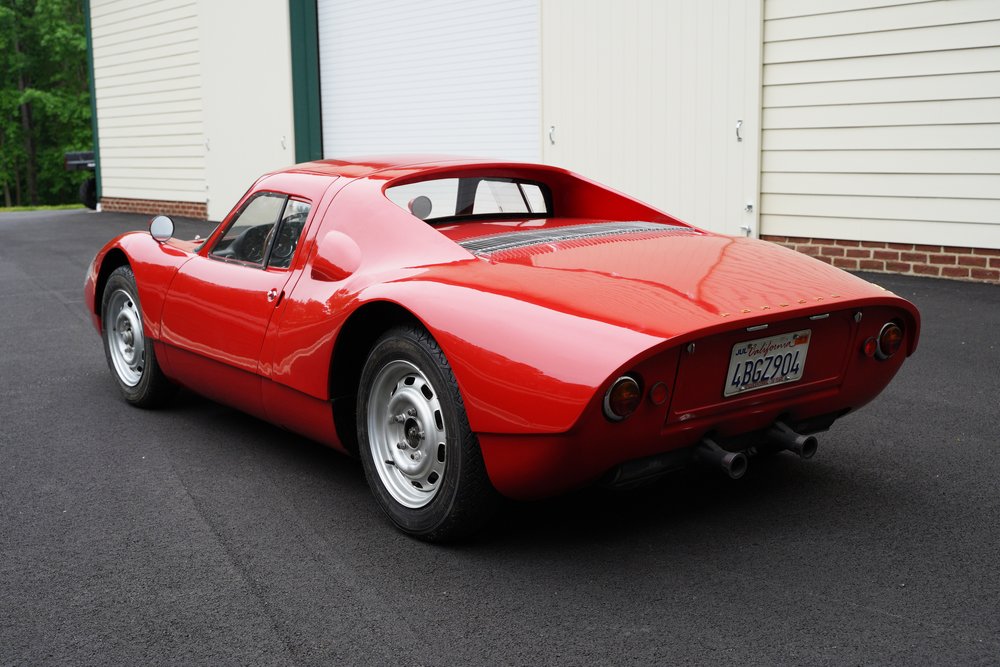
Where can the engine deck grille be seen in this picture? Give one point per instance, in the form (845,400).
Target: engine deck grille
(487,245)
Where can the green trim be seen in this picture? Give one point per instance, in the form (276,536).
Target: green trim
(305,80)
(93,95)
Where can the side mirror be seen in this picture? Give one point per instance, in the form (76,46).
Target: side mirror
(337,257)
(161,228)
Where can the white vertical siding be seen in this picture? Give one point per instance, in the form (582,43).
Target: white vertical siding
(644,95)
(882,121)
(247,91)
(147,78)
(440,76)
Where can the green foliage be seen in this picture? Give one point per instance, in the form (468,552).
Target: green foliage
(44,99)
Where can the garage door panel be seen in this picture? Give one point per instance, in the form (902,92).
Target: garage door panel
(442,77)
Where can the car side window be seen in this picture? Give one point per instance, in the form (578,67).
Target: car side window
(265,231)
(287,236)
(248,236)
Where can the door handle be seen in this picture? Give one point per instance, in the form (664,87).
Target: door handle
(272,294)
(739,127)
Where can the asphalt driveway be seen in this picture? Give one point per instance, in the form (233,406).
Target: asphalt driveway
(197,535)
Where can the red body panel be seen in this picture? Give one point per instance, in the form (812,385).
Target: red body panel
(534,335)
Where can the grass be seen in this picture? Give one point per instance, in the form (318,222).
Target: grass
(57,207)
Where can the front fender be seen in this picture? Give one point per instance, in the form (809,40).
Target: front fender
(154,266)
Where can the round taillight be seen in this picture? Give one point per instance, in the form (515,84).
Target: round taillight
(622,398)
(890,339)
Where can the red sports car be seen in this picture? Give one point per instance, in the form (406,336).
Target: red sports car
(476,329)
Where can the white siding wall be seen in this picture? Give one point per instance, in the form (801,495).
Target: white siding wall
(645,95)
(247,92)
(882,121)
(147,77)
(439,76)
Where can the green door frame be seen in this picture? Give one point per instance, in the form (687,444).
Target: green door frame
(93,95)
(305,80)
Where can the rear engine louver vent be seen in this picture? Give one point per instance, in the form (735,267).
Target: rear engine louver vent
(487,245)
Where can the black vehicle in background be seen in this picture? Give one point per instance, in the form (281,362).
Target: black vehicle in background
(88,189)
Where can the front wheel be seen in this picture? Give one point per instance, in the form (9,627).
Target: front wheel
(421,459)
(130,353)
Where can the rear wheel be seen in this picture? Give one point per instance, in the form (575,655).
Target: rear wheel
(421,459)
(129,352)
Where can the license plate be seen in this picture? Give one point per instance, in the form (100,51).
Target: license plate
(765,362)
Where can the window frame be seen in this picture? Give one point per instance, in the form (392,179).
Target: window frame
(265,263)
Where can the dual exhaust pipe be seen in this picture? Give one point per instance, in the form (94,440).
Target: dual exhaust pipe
(734,464)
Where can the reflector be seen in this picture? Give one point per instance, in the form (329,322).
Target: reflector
(658,393)
(870,346)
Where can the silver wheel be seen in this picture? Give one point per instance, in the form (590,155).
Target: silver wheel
(123,328)
(406,433)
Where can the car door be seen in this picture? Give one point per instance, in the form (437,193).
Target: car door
(219,304)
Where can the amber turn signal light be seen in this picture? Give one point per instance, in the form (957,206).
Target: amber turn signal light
(622,398)
(890,339)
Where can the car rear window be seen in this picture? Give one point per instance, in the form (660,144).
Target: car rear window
(479,197)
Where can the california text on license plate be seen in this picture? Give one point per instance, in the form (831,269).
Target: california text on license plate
(765,362)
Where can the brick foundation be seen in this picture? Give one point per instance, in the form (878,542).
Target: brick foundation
(956,262)
(181,209)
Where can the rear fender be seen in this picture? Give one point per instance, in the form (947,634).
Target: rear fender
(521,367)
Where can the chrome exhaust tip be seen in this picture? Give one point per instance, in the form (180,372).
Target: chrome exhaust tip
(708,452)
(785,437)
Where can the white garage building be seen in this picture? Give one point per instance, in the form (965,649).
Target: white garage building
(866,132)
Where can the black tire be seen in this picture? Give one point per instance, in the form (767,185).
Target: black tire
(88,193)
(462,498)
(141,381)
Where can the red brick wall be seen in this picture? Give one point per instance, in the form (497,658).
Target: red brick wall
(182,209)
(960,263)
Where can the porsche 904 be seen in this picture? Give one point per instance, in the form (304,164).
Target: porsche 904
(472,330)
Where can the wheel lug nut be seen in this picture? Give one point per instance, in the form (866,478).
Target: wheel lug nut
(412,412)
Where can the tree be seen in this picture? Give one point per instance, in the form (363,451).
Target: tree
(44,99)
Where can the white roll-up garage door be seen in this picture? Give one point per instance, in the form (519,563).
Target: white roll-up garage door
(881,121)
(440,76)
